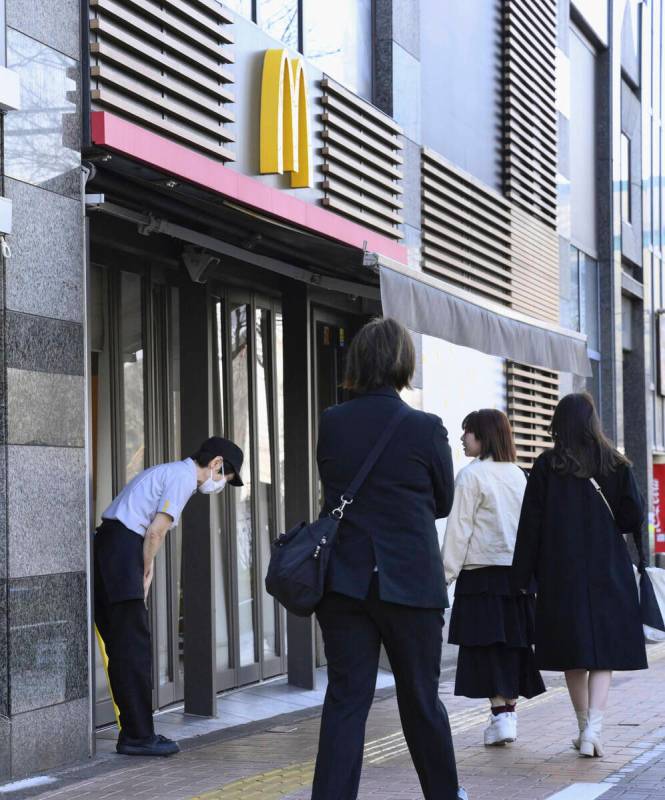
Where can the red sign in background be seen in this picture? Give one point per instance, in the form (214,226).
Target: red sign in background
(659,507)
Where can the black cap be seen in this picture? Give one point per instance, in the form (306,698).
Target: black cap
(230,452)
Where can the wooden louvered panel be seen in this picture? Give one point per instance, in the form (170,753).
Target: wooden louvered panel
(535,264)
(161,64)
(530,111)
(533,394)
(362,162)
(465,230)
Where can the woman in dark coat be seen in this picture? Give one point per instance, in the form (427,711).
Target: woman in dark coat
(587,611)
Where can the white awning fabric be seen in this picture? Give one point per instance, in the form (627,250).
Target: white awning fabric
(428,305)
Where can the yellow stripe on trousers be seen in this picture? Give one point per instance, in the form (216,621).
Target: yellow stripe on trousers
(105,662)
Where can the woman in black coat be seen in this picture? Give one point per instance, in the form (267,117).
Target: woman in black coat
(385,577)
(587,610)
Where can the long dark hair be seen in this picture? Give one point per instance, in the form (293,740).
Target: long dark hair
(580,446)
(492,429)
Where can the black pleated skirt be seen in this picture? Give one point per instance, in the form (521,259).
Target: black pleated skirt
(494,629)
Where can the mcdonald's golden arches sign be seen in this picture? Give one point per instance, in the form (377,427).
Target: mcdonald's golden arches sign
(285,136)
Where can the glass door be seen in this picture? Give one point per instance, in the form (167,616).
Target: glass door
(331,334)
(118,405)
(248,409)
(135,423)
(163,348)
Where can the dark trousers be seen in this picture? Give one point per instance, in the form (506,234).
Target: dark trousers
(123,625)
(353,631)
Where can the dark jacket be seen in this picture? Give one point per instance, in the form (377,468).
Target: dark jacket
(391,522)
(587,609)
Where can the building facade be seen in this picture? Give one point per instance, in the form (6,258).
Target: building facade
(202,202)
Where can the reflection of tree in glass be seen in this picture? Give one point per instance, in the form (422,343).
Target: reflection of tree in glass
(35,148)
(280,19)
(133,413)
(241,430)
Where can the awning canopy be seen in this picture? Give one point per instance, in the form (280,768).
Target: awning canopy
(428,305)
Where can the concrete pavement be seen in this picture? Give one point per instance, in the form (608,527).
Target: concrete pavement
(273,759)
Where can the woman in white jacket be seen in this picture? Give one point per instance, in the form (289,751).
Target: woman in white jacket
(493,627)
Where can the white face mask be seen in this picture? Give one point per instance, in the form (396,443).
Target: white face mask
(211,486)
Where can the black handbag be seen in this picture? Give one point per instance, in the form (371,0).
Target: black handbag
(299,558)
(649,610)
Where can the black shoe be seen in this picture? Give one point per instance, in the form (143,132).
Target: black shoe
(155,745)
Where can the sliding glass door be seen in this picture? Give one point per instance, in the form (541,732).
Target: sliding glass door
(248,409)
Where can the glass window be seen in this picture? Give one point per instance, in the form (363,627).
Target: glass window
(279,343)
(266,488)
(338,39)
(279,19)
(626,211)
(220,529)
(626,323)
(131,339)
(242,7)
(240,368)
(42,140)
(589,305)
(570,292)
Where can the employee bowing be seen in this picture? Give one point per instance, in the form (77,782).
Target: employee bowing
(125,545)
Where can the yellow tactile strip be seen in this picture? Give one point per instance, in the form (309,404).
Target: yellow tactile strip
(277,783)
(272,785)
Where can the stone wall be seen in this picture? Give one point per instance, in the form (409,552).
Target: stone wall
(44,697)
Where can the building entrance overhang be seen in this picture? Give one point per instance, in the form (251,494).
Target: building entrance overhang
(428,305)
(141,150)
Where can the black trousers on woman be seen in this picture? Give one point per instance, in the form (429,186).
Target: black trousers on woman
(353,631)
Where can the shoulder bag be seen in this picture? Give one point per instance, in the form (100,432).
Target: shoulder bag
(651,615)
(299,558)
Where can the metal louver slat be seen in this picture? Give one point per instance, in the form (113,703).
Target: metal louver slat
(465,230)
(530,92)
(162,65)
(362,161)
(533,394)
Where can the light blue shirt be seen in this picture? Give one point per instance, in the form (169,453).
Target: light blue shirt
(165,488)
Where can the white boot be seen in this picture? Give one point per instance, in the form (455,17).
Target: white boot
(502,729)
(590,739)
(581,724)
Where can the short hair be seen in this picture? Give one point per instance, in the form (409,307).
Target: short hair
(381,354)
(492,429)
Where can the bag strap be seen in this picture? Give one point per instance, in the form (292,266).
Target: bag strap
(381,444)
(596,486)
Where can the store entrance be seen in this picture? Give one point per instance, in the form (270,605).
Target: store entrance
(135,388)
(248,408)
(331,334)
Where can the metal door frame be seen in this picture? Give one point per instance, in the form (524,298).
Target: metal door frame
(261,669)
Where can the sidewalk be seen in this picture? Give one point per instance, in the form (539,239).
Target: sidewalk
(273,759)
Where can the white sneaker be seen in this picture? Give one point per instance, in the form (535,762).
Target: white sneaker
(502,729)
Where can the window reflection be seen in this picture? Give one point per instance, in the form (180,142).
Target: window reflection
(338,39)
(242,7)
(279,19)
(626,210)
(240,361)
(220,541)
(279,357)
(131,339)
(266,488)
(42,140)
(570,292)
(589,301)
